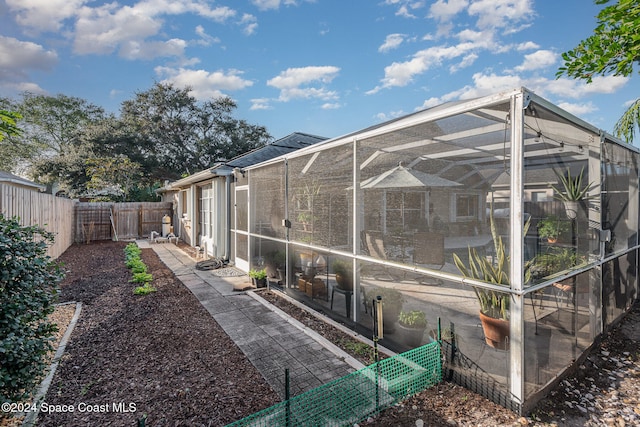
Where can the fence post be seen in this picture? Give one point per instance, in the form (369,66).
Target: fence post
(286,396)
(140,218)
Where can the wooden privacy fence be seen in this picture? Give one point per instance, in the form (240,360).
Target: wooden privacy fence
(81,222)
(54,214)
(104,221)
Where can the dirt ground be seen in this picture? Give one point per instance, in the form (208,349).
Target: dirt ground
(163,357)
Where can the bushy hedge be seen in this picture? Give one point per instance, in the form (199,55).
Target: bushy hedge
(28,290)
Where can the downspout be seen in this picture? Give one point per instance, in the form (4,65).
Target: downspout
(227,248)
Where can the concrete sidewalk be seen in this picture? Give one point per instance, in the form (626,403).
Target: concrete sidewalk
(271,339)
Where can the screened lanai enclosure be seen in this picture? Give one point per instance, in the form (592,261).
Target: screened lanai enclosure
(505,218)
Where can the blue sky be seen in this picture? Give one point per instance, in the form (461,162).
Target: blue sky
(325,67)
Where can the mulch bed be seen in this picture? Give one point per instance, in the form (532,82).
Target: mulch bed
(162,354)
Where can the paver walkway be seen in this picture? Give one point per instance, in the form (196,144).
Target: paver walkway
(271,340)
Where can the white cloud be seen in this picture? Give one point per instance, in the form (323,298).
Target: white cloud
(103,29)
(487,84)
(383,117)
(527,46)
(576,89)
(405,7)
(12,88)
(154,49)
(467,61)
(250,23)
(403,73)
(205,39)
(431,102)
(537,60)
(44,15)
(331,106)
(260,104)
(275,4)
(266,4)
(500,13)
(392,41)
(204,84)
(17,57)
(443,10)
(295,83)
(112,27)
(578,109)
(404,11)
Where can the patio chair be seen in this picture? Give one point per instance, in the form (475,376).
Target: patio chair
(374,244)
(564,291)
(428,249)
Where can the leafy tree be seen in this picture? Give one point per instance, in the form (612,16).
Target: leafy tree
(51,127)
(118,172)
(28,289)
(11,150)
(52,123)
(8,124)
(613,49)
(175,134)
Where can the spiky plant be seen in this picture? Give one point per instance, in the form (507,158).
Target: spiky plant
(492,303)
(573,189)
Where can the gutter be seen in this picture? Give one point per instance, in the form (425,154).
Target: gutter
(24,184)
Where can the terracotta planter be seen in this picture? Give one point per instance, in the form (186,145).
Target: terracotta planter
(496,331)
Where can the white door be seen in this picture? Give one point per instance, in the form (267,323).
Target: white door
(242,228)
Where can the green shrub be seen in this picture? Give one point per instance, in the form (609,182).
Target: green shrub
(144,290)
(132,250)
(28,291)
(137,266)
(141,278)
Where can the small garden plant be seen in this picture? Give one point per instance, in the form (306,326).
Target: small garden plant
(139,269)
(413,319)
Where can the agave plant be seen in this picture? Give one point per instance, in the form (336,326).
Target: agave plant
(573,189)
(492,303)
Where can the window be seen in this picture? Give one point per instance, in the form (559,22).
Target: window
(539,196)
(466,206)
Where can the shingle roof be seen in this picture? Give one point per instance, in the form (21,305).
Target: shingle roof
(285,145)
(293,142)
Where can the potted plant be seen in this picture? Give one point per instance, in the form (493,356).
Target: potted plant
(258,277)
(344,274)
(572,192)
(412,324)
(551,228)
(494,305)
(391,306)
(305,219)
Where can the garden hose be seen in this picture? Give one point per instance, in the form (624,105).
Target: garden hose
(210,264)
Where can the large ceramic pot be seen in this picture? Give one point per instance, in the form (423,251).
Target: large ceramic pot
(411,336)
(390,313)
(496,331)
(571,208)
(344,281)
